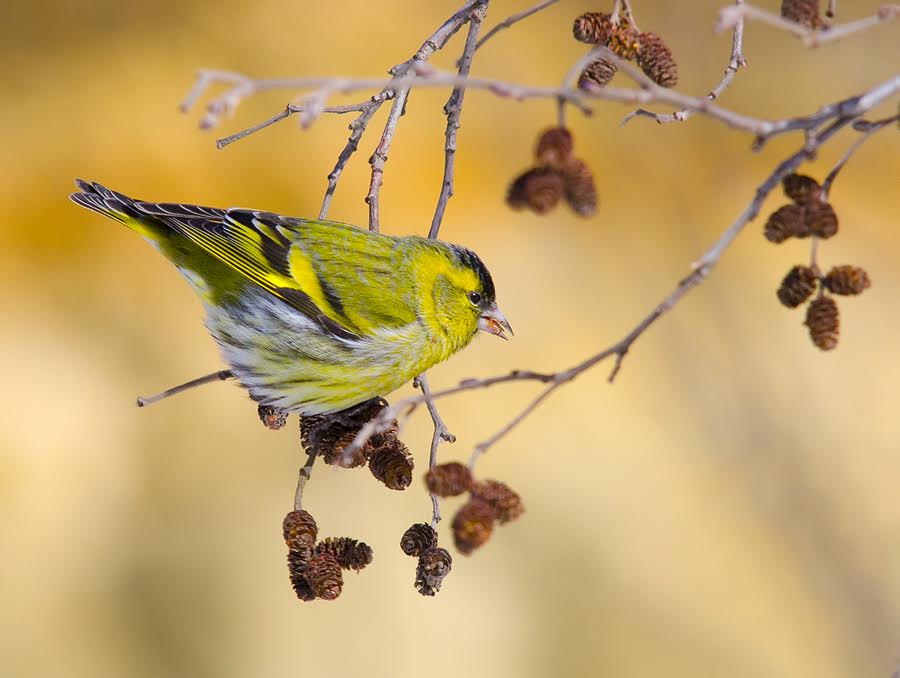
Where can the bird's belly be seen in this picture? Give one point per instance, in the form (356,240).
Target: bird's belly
(285,360)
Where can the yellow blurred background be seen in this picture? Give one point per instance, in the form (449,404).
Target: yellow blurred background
(728,507)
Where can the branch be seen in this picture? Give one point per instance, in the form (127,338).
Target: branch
(221,375)
(305,473)
(453,110)
(729,16)
(735,62)
(441,432)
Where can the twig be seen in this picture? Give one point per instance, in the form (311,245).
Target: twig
(624,7)
(735,62)
(729,16)
(832,9)
(221,375)
(453,110)
(868,129)
(648,92)
(441,432)
(305,473)
(512,20)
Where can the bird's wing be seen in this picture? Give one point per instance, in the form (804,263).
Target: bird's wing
(261,247)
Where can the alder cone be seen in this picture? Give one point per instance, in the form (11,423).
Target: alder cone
(507,504)
(847,280)
(392,464)
(823,322)
(539,189)
(349,553)
(297,563)
(786,222)
(300,530)
(821,219)
(323,572)
(417,539)
(473,524)
(319,433)
(798,286)
(656,60)
(272,417)
(598,73)
(580,189)
(448,480)
(554,146)
(804,12)
(434,565)
(801,188)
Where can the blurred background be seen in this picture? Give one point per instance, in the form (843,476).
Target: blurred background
(728,507)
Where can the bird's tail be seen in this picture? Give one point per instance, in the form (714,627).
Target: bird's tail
(117,206)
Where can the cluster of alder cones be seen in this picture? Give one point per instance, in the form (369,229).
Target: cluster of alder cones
(810,215)
(648,50)
(316,567)
(557,175)
(490,502)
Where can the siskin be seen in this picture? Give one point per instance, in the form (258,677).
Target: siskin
(315,316)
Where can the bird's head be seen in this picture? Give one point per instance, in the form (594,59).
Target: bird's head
(462,299)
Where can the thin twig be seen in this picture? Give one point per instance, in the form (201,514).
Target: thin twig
(868,129)
(305,473)
(453,110)
(832,9)
(441,433)
(401,93)
(512,20)
(648,92)
(221,375)
(735,62)
(729,16)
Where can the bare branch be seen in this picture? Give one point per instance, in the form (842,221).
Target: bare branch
(453,110)
(305,473)
(735,62)
(729,16)
(221,375)
(441,433)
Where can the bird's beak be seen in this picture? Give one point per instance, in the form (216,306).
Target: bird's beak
(494,322)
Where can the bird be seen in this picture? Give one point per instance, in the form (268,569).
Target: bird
(313,316)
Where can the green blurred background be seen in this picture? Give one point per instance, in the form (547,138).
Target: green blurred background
(728,507)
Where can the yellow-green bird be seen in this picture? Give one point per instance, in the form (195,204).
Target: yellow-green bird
(315,316)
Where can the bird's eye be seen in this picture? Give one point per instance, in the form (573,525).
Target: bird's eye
(475,298)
